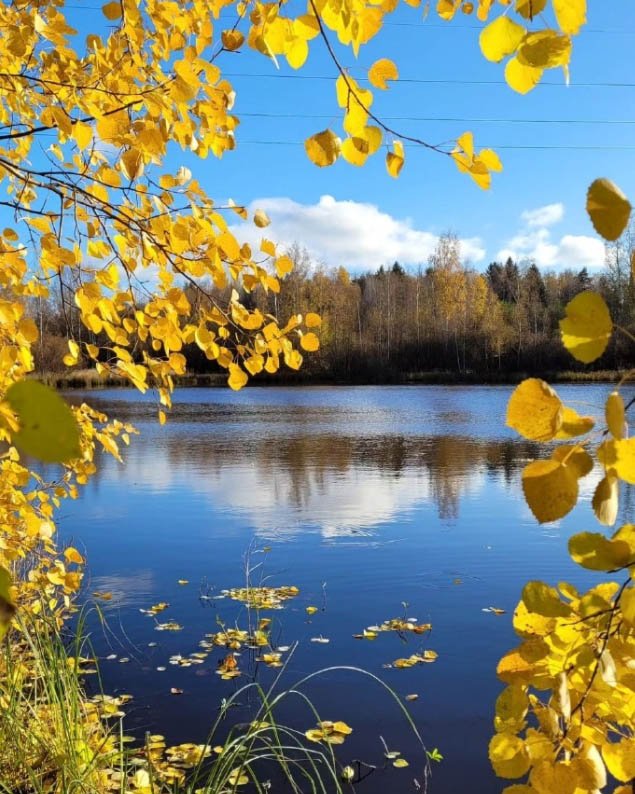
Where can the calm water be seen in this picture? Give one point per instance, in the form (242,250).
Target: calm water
(376,502)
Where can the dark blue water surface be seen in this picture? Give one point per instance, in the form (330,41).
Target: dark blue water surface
(377,502)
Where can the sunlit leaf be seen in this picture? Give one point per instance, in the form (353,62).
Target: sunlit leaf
(501,38)
(508,755)
(323,148)
(534,410)
(608,208)
(550,488)
(381,71)
(586,327)
(605,501)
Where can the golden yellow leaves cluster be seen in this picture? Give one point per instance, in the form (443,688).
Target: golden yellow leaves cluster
(532,51)
(566,718)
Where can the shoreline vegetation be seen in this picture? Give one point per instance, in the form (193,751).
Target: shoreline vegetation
(89,379)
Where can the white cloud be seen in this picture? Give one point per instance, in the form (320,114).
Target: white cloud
(544,216)
(535,241)
(350,233)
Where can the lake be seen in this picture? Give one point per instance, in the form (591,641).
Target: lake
(376,502)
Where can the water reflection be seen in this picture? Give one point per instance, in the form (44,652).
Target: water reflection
(332,484)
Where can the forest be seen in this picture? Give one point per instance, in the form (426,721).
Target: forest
(443,319)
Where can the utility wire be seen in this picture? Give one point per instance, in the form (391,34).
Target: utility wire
(424,81)
(453,119)
(423,25)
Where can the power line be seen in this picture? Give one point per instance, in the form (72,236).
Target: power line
(501,147)
(422,25)
(454,119)
(423,81)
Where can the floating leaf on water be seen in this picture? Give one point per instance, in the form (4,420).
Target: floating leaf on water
(320,639)
(104,596)
(161,669)
(111,656)
(152,644)
(347,774)
(176,691)
(171,625)
(183,581)
(311,610)
(329,732)
(400,763)
(412,697)
(263,597)
(494,610)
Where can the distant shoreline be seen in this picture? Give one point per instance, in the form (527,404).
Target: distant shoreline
(88,379)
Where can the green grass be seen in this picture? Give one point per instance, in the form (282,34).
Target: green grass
(54,737)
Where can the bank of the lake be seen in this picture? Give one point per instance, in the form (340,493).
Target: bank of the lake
(91,379)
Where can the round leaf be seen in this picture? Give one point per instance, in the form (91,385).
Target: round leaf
(381,71)
(48,429)
(323,148)
(586,327)
(551,489)
(535,410)
(501,38)
(608,208)
(508,755)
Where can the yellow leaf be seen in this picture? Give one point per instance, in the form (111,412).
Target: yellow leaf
(395,160)
(530,8)
(520,77)
(237,377)
(323,148)
(508,755)
(284,265)
(297,53)
(570,15)
(586,327)
(132,164)
(615,415)
(511,709)
(619,758)
(605,501)
(545,49)
(501,38)
(620,457)
(381,71)
(313,320)
(594,551)
(551,489)
(544,600)
(48,429)
(548,777)
(400,763)
(112,10)
(311,610)
(446,9)
(608,208)
(575,457)
(573,424)
(309,342)
(83,133)
(72,555)
(232,39)
(535,410)
(7,608)
(261,219)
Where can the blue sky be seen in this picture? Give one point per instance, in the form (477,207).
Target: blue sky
(361,217)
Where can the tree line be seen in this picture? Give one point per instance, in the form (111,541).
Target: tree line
(397,323)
